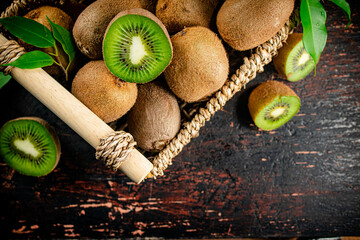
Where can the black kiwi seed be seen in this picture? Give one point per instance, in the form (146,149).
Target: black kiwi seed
(30,146)
(301,67)
(268,116)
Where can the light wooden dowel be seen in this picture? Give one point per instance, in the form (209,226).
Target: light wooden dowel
(76,115)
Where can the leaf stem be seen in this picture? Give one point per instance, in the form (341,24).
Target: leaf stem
(58,62)
(52,54)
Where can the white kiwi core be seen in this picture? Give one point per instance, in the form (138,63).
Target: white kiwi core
(277,112)
(27,147)
(137,50)
(303,58)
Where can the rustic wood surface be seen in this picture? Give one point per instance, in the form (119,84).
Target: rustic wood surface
(232,181)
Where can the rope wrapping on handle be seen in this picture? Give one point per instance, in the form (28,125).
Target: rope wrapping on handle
(114,148)
(9,52)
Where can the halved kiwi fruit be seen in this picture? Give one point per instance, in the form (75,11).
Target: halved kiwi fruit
(30,146)
(137,46)
(272,104)
(293,61)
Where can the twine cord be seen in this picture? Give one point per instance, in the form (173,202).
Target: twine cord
(114,148)
(9,52)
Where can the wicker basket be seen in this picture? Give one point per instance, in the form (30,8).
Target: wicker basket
(194,115)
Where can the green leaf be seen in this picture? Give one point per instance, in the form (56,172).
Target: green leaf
(31,60)
(4,79)
(344,6)
(65,39)
(29,31)
(313,18)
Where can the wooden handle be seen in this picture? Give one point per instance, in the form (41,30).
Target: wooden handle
(76,115)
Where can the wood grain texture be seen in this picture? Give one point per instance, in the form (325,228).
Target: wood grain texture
(232,181)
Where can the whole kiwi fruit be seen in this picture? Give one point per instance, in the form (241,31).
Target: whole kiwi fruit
(55,14)
(90,26)
(59,17)
(106,95)
(155,118)
(245,24)
(272,104)
(200,64)
(177,14)
(30,146)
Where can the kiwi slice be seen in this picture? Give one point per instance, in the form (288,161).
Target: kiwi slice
(272,104)
(30,146)
(293,61)
(137,46)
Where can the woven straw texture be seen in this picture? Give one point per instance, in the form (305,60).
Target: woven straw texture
(114,149)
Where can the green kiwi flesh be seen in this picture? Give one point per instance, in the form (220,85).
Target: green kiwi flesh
(272,104)
(30,146)
(136,47)
(293,61)
(299,63)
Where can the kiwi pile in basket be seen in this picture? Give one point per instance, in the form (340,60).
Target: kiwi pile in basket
(144,57)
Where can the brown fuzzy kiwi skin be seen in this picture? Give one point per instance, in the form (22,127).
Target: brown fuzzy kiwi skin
(155,118)
(55,14)
(149,5)
(245,24)
(200,65)
(177,14)
(283,53)
(50,129)
(265,93)
(89,27)
(59,17)
(106,95)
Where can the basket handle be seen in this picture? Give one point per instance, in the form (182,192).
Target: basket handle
(76,115)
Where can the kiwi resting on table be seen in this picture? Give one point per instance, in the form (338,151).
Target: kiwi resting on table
(293,62)
(30,146)
(272,104)
(137,46)
(245,24)
(200,65)
(106,95)
(90,26)
(155,118)
(177,14)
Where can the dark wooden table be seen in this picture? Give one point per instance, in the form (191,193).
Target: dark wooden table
(232,181)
